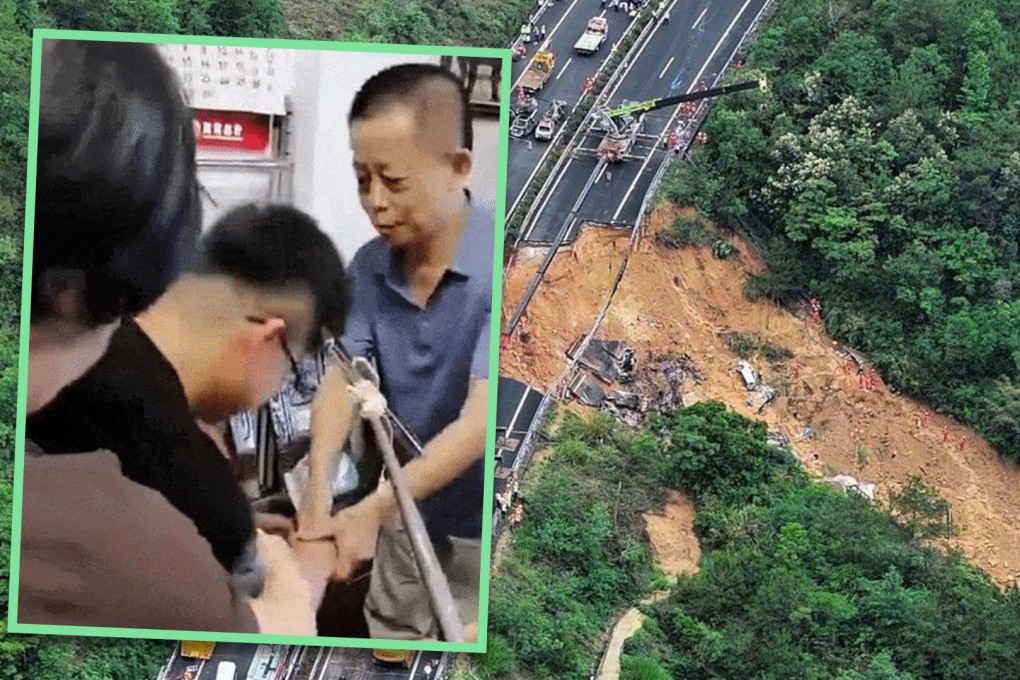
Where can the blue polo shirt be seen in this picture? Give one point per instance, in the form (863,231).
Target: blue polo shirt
(426,356)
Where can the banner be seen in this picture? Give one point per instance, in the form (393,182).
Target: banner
(217,131)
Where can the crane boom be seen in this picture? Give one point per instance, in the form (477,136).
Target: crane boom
(662,102)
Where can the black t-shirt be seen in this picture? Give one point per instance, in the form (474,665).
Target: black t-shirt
(133,404)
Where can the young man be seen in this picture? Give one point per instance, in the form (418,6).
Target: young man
(421,311)
(116,210)
(265,285)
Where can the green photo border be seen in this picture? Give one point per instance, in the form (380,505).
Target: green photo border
(26,295)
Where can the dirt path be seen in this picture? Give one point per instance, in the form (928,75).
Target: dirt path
(676,551)
(684,301)
(627,626)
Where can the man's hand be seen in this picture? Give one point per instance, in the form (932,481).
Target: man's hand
(355,531)
(286,605)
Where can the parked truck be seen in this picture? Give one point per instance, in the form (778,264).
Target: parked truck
(392,657)
(197,650)
(537,75)
(594,36)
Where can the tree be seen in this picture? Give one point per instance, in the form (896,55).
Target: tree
(855,65)
(976,92)
(150,16)
(919,508)
(921,80)
(247,18)
(193,16)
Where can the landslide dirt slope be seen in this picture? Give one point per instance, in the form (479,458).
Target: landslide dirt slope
(685,300)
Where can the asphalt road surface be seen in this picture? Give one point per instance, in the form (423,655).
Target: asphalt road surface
(240,654)
(565,23)
(694,46)
(358,664)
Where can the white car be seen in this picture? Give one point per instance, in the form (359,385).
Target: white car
(547,126)
(227,670)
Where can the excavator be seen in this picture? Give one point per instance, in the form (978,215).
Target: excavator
(623,124)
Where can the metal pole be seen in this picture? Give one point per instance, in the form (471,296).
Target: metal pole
(425,555)
(411,439)
(435,581)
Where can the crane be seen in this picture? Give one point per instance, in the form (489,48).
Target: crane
(623,123)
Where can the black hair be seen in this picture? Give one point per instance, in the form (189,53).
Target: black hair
(403,84)
(116,206)
(278,245)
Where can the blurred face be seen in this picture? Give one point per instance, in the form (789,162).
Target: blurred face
(274,361)
(409,188)
(248,350)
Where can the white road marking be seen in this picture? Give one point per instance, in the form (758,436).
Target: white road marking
(694,82)
(698,20)
(666,67)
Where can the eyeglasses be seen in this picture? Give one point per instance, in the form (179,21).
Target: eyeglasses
(301,385)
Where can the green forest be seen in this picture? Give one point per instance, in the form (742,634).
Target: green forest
(890,152)
(796,579)
(890,148)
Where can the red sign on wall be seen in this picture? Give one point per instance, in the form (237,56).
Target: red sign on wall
(233,131)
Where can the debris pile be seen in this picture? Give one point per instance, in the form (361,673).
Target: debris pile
(778,440)
(848,484)
(761,394)
(658,387)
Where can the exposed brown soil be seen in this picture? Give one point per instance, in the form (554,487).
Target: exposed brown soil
(674,542)
(686,300)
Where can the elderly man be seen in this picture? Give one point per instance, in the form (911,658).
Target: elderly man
(422,311)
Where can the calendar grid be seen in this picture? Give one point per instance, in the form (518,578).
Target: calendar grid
(250,79)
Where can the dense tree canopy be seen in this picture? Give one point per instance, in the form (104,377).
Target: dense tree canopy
(796,579)
(884,168)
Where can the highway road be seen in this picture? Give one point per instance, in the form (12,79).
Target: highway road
(357,664)
(694,46)
(240,654)
(565,23)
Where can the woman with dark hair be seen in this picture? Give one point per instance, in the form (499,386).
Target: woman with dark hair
(116,215)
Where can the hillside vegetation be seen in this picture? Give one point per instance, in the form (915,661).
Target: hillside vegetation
(883,173)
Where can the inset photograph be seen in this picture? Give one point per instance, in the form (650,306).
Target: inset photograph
(256,404)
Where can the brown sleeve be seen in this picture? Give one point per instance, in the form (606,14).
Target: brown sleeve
(100,550)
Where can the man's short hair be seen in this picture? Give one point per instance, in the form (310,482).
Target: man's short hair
(405,84)
(276,246)
(117,206)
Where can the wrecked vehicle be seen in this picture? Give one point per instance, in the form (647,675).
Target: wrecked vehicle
(749,375)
